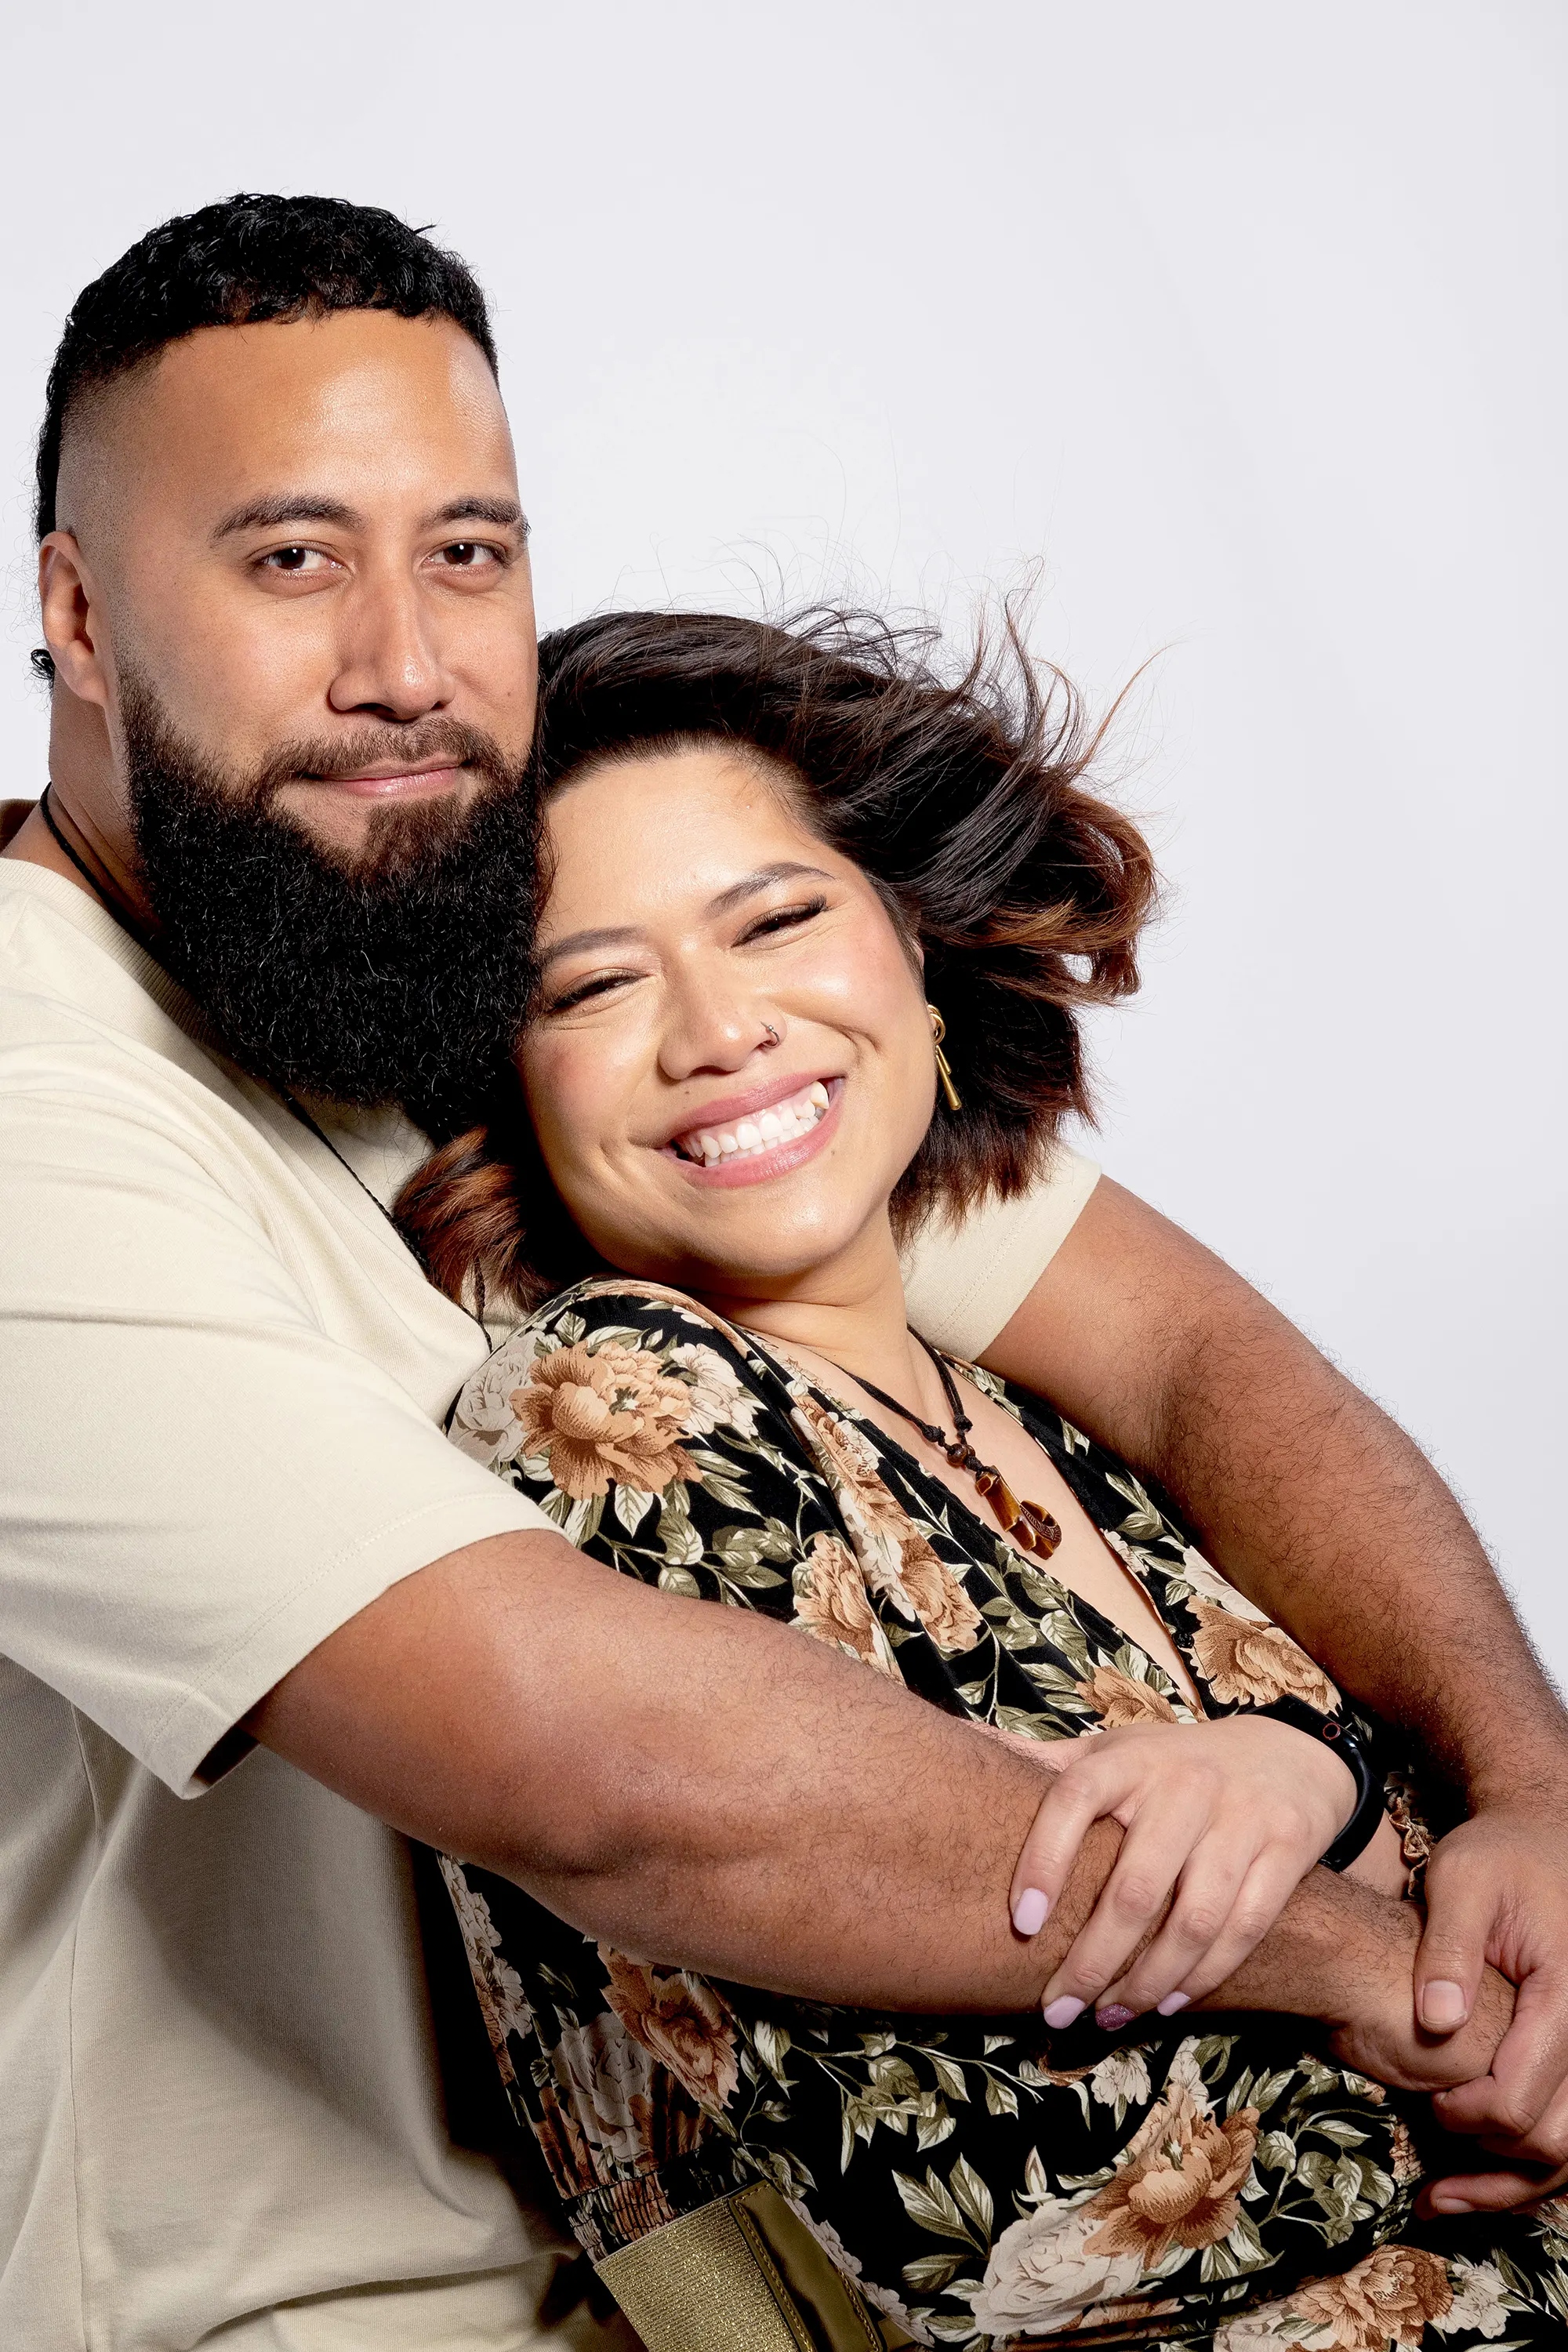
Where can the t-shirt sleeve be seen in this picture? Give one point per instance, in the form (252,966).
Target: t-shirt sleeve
(201,1483)
(964,1281)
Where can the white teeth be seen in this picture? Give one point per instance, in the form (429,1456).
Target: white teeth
(780,1124)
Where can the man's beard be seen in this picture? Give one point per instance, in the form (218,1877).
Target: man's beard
(402,978)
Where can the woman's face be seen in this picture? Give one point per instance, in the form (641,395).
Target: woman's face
(690,913)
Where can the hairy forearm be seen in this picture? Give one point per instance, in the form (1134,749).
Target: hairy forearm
(691,1783)
(1308,1496)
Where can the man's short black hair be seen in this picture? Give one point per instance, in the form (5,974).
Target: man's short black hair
(250,259)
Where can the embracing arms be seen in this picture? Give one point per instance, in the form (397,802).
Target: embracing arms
(701,1785)
(1317,1504)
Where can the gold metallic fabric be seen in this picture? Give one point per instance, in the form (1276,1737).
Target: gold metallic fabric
(742,2274)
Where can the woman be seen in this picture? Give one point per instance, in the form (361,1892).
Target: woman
(769,858)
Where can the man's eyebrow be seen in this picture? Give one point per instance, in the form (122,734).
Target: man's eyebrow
(506,512)
(308,507)
(581,942)
(289,506)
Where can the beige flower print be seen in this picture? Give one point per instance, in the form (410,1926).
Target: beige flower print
(1120,1699)
(1387,2300)
(681,2020)
(503,2004)
(1041,2276)
(1179,2183)
(609,1415)
(898,1560)
(1249,1664)
(715,1398)
(831,1602)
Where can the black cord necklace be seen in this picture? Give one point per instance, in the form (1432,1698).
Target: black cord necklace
(104,893)
(1031,1525)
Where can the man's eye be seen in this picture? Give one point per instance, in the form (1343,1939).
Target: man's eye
(468,555)
(294,561)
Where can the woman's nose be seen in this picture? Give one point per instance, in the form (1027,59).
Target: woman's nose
(710,1029)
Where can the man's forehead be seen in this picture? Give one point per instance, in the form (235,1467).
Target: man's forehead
(377,412)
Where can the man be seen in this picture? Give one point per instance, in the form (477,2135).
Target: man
(286,598)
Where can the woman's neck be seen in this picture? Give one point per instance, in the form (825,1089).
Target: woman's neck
(850,1316)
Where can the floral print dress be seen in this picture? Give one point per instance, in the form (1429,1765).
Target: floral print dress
(983,2182)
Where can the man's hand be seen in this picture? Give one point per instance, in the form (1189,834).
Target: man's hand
(1497,1892)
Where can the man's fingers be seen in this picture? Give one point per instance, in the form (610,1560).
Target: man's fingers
(1515,2101)
(1460,1913)
(1542,2146)
(1080,1795)
(1489,2192)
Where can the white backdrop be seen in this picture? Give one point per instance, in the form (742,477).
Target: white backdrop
(1247,322)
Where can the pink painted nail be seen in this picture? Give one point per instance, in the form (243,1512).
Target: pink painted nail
(1172,2002)
(1062,2012)
(1114,2016)
(1030,1911)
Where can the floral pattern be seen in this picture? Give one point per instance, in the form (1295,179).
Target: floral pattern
(985,2182)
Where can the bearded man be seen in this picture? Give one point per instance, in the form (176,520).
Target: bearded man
(262,933)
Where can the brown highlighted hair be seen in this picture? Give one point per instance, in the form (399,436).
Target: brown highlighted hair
(963,799)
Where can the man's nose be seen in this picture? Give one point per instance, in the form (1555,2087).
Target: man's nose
(390,661)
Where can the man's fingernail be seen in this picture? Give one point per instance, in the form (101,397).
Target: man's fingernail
(1443,2005)
(1029,1912)
(1114,2016)
(1173,2001)
(1451,2204)
(1062,2012)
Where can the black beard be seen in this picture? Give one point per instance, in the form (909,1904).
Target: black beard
(402,978)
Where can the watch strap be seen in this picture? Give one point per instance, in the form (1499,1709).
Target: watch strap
(1351,1745)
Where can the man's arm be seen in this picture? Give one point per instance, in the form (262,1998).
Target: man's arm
(706,1787)
(1321,1509)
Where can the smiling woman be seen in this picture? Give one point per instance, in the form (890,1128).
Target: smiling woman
(854,827)
(770,856)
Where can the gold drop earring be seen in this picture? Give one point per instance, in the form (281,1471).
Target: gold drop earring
(939,1031)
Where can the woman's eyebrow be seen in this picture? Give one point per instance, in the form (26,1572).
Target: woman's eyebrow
(580,942)
(577,942)
(762,879)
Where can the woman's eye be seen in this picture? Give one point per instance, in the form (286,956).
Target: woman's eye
(784,918)
(294,561)
(601,984)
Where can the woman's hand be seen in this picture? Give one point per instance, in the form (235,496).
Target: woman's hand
(1227,1817)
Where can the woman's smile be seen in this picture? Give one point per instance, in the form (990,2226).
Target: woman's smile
(750,1139)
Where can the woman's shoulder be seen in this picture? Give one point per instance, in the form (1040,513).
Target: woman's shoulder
(605,1349)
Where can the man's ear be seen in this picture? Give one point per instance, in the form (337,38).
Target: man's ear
(68,603)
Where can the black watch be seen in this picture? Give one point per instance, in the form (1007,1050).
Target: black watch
(1353,1749)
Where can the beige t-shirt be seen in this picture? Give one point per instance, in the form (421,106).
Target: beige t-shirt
(222,1384)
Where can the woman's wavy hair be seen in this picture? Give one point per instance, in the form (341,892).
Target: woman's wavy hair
(960,792)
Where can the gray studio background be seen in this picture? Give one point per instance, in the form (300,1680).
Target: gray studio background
(1248,324)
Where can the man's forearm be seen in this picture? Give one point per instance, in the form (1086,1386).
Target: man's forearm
(691,1783)
(1308,1496)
